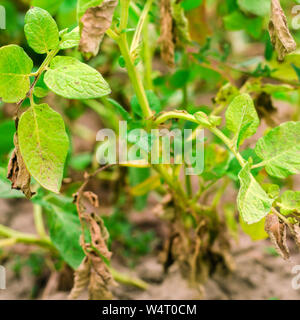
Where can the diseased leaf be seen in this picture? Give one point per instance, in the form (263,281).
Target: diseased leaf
(17,172)
(277,232)
(81,279)
(242,118)
(290,202)
(280,150)
(44,145)
(97,251)
(15,67)
(280,35)
(253,202)
(167,45)
(70,39)
(73,79)
(93,25)
(41,30)
(181,23)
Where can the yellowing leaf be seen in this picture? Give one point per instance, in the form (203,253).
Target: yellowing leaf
(15,67)
(44,145)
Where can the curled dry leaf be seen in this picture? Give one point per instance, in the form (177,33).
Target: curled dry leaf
(98,255)
(17,172)
(166,39)
(277,232)
(295,230)
(94,23)
(281,37)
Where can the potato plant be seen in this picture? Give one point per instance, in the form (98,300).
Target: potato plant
(142,35)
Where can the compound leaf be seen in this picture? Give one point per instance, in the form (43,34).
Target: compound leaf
(253,202)
(242,118)
(73,79)
(280,150)
(41,30)
(15,67)
(44,145)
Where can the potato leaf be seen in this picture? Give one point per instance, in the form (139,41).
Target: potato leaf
(256,7)
(73,79)
(280,150)
(15,67)
(242,118)
(253,202)
(41,30)
(44,145)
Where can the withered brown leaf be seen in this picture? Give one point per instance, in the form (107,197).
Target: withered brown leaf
(166,39)
(97,253)
(277,232)
(17,172)
(93,24)
(295,230)
(281,37)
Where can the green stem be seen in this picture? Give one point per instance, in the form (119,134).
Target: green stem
(127,280)
(147,52)
(131,69)
(20,237)
(38,221)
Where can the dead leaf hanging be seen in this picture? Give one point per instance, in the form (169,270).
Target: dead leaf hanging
(277,232)
(17,172)
(281,37)
(93,24)
(166,33)
(94,267)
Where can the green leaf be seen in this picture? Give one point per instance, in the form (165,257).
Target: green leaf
(153,100)
(5,187)
(242,118)
(15,67)
(44,145)
(280,150)
(253,202)
(7,132)
(191,4)
(256,231)
(121,110)
(73,79)
(41,30)
(51,6)
(238,21)
(64,228)
(256,7)
(290,202)
(70,39)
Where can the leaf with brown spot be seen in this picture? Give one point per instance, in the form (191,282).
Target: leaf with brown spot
(93,25)
(17,172)
(166,40)
(281,37)
(277,232)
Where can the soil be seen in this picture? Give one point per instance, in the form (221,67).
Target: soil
(259,273)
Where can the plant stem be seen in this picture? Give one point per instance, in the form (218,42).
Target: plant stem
(38,221)
(131,69)
(127,280)
(20,237)
(147,53)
